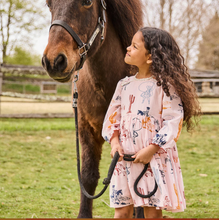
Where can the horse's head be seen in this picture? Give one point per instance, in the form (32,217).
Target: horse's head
(85,18)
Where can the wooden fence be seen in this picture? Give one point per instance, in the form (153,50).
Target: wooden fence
(206,82)
(1,79)
(49,86)
(18,70)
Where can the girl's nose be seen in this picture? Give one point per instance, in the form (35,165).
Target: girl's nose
(128,48)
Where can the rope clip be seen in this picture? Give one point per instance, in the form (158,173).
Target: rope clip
(75,91)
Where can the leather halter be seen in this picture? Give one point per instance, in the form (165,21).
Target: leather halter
(83,48)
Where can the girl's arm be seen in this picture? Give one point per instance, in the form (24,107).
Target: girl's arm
(112,118)
(145,155)
(172,115)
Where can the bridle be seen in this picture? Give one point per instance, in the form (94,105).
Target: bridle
(84,47)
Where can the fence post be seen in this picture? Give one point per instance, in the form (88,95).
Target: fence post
(1,75)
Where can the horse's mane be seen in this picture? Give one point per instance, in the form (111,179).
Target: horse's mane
(126,17)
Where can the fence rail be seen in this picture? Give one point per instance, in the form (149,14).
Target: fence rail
(1,79)
(45,115)
(45,86)
(20,70)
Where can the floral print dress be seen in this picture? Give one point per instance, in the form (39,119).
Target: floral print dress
(144,115)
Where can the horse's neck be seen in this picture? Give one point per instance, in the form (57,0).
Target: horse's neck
(107,65)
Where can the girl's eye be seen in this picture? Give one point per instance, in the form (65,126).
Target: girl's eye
(87,3)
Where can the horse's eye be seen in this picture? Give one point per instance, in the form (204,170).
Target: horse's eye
(87,3)
(48,4)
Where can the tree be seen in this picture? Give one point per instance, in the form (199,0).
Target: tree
(23,57)
(18,21)
(185,20)
(208,57)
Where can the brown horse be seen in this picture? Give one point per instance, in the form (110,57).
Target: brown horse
(103,68)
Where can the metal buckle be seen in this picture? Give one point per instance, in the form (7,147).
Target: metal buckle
(76,77)
(84,47)
(102,24)
(103,4)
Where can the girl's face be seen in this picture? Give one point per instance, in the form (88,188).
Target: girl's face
(136,54)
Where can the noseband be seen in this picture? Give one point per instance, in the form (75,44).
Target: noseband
(83,48)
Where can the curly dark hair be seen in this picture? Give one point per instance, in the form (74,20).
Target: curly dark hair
(169,68)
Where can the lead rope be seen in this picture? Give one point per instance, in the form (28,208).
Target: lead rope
(115,159)
(106,181)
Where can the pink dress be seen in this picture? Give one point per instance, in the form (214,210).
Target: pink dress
(143,114)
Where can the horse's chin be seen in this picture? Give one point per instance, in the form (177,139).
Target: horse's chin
(67,78)
(63,80)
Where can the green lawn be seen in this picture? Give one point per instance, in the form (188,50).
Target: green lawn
(38,170)
(62,89)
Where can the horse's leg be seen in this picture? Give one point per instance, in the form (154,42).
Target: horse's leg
(91,144)
(138,212)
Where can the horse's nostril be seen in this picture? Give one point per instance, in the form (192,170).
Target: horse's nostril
(60,63)
(45,63)
(59,59)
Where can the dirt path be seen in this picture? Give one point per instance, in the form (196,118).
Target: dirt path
(28,106)
(10,105)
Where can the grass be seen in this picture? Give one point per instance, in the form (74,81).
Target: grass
(38,173)
(38,170)
(21,88)
(199,161)
(62,89)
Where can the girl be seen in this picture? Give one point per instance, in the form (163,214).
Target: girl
(145,118)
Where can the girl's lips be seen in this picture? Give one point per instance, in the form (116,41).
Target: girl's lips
(127,54)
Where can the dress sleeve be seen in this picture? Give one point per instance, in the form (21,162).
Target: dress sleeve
(172,115)
(112,118)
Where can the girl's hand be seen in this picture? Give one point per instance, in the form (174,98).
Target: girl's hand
(145,155)
(115,145)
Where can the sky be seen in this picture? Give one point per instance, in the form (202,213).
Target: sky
(41,39)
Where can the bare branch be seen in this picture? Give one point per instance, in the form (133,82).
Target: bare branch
(17,16)
(162,20)
(171,2)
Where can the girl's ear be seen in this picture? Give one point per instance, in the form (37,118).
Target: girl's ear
(149,60)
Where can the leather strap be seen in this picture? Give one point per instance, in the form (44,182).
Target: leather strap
(69,29)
